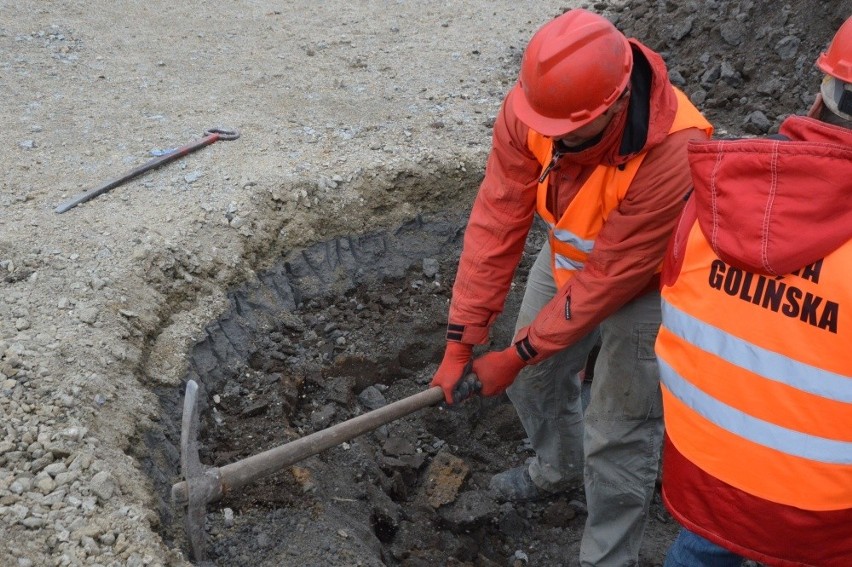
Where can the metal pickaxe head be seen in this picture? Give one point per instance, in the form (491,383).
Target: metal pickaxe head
(200,482)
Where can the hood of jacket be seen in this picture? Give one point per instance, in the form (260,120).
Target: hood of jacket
(773,206)
(651,111)
(653,104)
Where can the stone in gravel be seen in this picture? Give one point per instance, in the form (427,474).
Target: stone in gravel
(103,485)
(371,398)
(21,485)
(681,30)
(578,506)
(32,522)
(730,75)
(396,446)
(340,389)
(698,96)
(757,123)
(45,484)
(322,417)
(54,469)
(40,462)
(57,449)
(74,433)
(88,315)
(470,510)
(676,78)
(255,409)
(430,267)
(787,47)
(732,32)
(193,176)
(558,514)
(66,478)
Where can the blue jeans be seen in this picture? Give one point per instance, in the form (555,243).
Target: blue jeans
(692,550)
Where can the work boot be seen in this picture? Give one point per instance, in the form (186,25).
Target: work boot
(515,485)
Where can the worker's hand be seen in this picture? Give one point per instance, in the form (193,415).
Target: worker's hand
(453,368)
(497,370)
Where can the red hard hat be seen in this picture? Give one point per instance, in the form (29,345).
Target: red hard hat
(837,59)
(574,68)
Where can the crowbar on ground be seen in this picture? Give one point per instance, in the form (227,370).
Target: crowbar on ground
(202,485)
(210,136)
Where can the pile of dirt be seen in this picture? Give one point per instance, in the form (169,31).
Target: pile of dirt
(747,64)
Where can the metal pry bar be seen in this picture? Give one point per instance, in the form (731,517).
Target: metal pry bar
(210,136)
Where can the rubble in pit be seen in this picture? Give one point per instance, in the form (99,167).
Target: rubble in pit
(332,332)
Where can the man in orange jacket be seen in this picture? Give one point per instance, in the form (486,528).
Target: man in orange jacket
(592,139)
(754,347)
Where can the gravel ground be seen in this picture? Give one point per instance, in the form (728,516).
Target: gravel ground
(354,115)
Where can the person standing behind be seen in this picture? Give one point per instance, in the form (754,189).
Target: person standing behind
(592,139)
(756,344)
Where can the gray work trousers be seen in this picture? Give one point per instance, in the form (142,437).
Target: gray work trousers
(617,443)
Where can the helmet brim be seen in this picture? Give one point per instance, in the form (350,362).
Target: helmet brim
(545,125)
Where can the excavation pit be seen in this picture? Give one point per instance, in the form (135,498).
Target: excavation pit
(329,333)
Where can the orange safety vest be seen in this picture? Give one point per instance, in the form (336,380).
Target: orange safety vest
(572,238)
(757,376)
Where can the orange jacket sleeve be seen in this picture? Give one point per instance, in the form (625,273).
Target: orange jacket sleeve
(627,252)
(500,219)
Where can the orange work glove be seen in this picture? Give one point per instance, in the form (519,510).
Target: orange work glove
(453,368)
(497,370)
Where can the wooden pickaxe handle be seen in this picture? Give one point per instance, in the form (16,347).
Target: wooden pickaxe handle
(202,485)
(220,481)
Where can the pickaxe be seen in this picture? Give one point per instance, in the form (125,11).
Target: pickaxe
(203,485)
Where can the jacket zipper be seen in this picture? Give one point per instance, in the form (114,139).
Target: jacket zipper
(551,190)
(551,165)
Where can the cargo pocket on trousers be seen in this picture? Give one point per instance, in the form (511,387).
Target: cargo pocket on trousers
(644,399)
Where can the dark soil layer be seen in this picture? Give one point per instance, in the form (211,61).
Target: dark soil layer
(338,330)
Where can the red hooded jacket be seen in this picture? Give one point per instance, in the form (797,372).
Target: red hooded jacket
(629,247)
(769,208)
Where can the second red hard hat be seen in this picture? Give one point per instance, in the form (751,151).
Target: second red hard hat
(837,59)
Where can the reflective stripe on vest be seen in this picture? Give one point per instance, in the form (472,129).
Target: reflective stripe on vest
(572,238)
(757,376)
